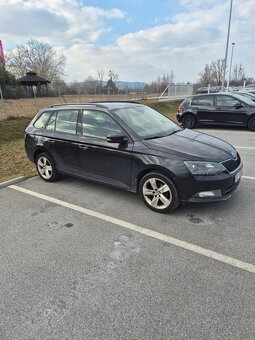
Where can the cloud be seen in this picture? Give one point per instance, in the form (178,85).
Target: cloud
(190,39)
(56,21)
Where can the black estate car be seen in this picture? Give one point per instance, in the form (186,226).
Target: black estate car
(131,146)
(217,109)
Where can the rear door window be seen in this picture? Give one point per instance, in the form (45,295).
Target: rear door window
(203,101)
(66,121)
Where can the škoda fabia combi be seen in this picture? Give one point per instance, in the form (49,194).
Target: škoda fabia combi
(133,147)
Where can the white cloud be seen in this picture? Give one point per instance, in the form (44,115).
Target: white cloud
(192,38)
(57,21)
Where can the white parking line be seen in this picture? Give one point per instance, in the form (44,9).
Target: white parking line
(224,131)
(174,241)
(244,147)
(248,177)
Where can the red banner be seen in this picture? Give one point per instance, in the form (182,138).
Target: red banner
(1,53)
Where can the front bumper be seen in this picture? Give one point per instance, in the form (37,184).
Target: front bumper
(224,185)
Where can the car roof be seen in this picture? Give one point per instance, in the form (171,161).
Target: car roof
(104,105)
(217,94)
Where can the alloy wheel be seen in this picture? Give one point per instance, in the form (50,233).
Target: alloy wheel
(157,193)
(44,167)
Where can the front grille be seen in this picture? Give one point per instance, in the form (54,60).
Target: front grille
(232,164)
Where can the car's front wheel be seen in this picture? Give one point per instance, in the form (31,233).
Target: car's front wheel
(46,168)
(251,124)
(189,121)
(159,193)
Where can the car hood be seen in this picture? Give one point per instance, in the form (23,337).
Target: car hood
(193,145)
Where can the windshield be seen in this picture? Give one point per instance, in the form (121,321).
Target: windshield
(245,99)
(146,122)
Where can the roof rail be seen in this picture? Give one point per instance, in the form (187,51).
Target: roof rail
(77,104)
(97,104)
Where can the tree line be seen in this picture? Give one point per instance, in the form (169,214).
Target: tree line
(213,74)
(43,59)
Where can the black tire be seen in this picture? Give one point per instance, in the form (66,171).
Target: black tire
(189,121)
(251,124)
(46,168)
(145,186)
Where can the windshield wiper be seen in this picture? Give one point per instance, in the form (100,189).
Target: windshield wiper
(154,137)
(171,133)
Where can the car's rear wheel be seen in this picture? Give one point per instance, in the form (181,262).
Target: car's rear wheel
(46,168)
(159,193)
(189,121)
(251,124)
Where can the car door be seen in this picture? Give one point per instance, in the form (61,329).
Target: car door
(230,110)
(205,109)
(100,160)
(60,138)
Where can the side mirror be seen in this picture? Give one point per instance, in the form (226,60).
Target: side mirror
(238,106)
(116,139)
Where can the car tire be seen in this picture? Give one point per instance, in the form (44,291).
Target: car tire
(159,193)
(46,168)
(189,121)
(251,124)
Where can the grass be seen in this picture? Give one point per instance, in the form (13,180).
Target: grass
(14,161)
(169,109)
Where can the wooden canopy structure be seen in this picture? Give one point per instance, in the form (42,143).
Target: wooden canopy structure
(31,80)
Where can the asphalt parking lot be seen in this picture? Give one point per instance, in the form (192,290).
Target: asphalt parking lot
(81,260)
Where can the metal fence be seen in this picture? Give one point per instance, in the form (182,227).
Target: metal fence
(176,91)
(17,101)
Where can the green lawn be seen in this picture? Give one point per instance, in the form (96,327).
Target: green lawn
(13,158)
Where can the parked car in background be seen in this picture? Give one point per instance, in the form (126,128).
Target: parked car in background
(133,147)
(201,90)
(250,86)
(217,109)
(212,89)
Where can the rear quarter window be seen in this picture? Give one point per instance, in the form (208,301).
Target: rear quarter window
(41,122)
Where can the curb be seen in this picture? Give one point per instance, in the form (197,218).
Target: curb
(12,181)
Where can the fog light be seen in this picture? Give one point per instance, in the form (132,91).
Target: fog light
(206,194)
(214,193)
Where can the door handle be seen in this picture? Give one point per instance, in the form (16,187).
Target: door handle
(83,147)
(51,141)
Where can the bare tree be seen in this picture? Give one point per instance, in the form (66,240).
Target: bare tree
(90,85)
(100,74)
(238,75)
(111,83)
(213,73)
(206,76)
(113,76)
(217,69)
(38,57)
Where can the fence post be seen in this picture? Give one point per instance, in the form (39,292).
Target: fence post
(2,98)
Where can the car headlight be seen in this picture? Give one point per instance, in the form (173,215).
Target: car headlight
(204,168)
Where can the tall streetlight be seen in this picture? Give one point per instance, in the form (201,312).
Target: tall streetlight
(229,75)
(226,53)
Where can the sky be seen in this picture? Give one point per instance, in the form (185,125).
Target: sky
(137,39)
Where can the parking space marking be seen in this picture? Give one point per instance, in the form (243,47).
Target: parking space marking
(244,147)
(174,241)
(248,177)
(224,131)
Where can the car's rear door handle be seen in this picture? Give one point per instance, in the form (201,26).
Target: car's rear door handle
(51,141)
(83,147)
